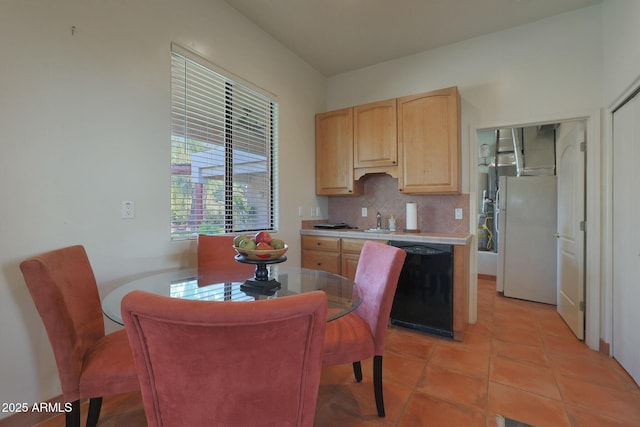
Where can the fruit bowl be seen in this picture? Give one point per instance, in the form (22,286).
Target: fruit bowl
(261,255)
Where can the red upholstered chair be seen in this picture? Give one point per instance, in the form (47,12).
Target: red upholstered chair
(360,334)
(90,363)
(209,363)
(216,263)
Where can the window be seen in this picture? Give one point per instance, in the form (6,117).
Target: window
(223,152)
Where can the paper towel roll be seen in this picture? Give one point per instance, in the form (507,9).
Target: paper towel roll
(412,216)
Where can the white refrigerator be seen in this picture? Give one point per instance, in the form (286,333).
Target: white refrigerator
(527,221)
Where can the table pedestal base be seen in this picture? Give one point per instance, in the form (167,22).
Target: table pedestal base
(260,286)
(260,283)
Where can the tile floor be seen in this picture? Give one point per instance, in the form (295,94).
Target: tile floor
(520,360)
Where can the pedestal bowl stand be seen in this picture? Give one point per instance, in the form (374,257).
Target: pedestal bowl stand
(260,283)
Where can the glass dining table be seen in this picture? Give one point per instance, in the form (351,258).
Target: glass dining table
(342,293)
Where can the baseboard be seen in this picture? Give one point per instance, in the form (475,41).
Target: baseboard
(604,348)
(486,277)
(30,417)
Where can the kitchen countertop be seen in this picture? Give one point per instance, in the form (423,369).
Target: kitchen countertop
(443,238)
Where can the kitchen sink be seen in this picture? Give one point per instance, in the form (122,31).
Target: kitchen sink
(376,230)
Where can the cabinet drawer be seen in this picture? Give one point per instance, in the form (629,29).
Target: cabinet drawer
(319,243)
(354,246)
(320,260)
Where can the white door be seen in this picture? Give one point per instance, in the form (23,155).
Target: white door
(570,248)
(626,238)
(500,219)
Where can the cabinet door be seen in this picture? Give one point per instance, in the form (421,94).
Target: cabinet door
(375,134)
(334,153)
(429,142)
(351,249)
(350,265)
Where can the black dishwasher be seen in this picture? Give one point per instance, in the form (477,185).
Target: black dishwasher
(424,297)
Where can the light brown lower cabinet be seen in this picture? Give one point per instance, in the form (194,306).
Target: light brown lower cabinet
(321,253)
(461,254)
(349,265)
(341,255)
(332,254)
(351,249)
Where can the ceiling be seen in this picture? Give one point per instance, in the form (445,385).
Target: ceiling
(336,36)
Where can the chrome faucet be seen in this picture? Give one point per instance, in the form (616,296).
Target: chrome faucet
(378,221)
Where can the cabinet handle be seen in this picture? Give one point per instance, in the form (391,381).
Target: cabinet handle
(318,243)
(319,263)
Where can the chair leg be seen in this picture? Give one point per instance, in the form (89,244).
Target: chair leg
(95,404)
(357,371)
(72,418)
(377,384)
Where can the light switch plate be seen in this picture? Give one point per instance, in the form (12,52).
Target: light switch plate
(458,213)
(364,211)
(128,209)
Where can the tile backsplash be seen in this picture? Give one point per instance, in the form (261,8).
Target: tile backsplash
(435,212)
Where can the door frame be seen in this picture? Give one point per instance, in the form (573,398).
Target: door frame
(607,211)
(594,294)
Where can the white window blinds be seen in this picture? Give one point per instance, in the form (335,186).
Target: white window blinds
(223,153)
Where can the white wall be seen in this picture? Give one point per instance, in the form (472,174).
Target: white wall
(540,72)
(84,124)
(621,50)
(533,73)
(621,77)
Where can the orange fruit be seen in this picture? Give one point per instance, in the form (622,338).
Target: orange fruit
(262,246)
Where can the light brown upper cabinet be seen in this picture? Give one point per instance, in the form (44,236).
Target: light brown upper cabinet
(415,139)
(334,154)
(375,142)
(429,142)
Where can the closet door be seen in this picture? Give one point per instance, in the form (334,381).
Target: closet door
(626,237)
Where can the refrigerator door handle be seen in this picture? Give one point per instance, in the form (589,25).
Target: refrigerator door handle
(556,235)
